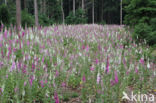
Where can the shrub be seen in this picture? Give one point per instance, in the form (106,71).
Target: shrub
(103,22)
(141,16)
(4,14)
(45,21)
(27,19)
(141,31)
(79,18)
(145,31)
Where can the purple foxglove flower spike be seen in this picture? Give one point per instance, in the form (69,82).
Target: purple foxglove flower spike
(13,66)
(41,83)
(107,65)
(136,70)
(83,78)
(96,61)
(56,97)
(116,77)
(91,68)
(87,48)
(57,73)
(142,61)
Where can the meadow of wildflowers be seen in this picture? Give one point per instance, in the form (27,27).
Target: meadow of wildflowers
(73,64)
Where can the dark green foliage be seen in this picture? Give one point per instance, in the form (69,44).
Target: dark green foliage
(103,22)
(4,14)
(18,54)
(141,16)
(79,18)
(153,22)
(45,21)
(47,62)
(111,10)
(50,12)
(54,12)
(27,19)
(74,81)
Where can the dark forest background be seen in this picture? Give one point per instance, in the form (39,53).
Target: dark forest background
(49,11)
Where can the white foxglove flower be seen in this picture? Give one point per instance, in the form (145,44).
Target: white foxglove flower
(3,86)
(154,73)
(148,65)
(23,93)
(98,78)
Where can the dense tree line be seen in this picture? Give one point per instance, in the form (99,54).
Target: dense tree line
(59,11)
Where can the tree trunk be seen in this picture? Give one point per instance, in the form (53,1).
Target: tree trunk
(36,13)
(47,10)
(41,7)
(5,2)
(121,12)
(74,7)
(44,7)
(18,14)
(82,7)
(25,5)
(82,4)
(93,11)
(102,11)
(69,6)
(62,11)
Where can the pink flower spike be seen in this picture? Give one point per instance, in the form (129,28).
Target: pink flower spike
(127,72)
(116,77)
(2,53)
(1,91)
(136,70)
(16,89)
(99,47)
(121,46)
(42,59)
(41,83)
(83,47)
(63,84)
(7,76)
(57,73)
(13,66)
(96,61)
(91,68)
(23,33)
(25,83)
(14,49)
(87,48)
(54,85)
(56,97)
(107,65)
(1,45)
(142,61)
(98,78)
(83,78)
(28,43)
(112,82)
(32,78)
(30,82)
(45,81)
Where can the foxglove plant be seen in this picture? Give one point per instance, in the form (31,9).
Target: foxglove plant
(39,61)
(56,97)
